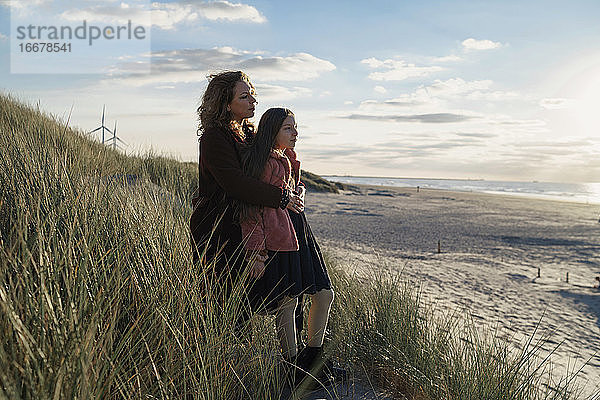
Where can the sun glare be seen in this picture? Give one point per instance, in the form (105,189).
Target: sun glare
(587,104)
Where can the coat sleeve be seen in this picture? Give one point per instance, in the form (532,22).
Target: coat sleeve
(219,157)
(254,229)
(254,233)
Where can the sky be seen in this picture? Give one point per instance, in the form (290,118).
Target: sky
(498,90)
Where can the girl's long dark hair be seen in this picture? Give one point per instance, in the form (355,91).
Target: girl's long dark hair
(213,113)
(256,154)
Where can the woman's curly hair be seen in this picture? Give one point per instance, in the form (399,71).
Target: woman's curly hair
(213,112)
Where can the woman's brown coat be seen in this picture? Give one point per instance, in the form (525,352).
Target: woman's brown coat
(216,233)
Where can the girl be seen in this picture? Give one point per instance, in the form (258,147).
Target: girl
(294,265)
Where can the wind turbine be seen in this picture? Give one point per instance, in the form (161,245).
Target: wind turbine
(104,128)
(115,138)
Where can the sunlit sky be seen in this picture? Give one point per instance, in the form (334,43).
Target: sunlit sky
(505,90)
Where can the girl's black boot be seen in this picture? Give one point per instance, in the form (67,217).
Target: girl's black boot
(321,371)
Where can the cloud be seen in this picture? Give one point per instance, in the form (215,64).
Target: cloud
(397,70)
(474,44)
(224,10)
(559,147)
(476,135)
(450,58)
(432,146)
(521,122)
(3,37)
(440,93)
(457,86)
(435,118)
(557,103)
(23,4)
(380,89)
(121,14)
(167,16)
(341,150)
(296,67)
(472,90)
(274,92)
(386,153)
(192,65)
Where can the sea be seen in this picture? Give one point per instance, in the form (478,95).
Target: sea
(575,192)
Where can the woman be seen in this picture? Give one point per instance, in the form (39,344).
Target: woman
(226,105)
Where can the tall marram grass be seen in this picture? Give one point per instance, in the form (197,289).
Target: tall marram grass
(99,297)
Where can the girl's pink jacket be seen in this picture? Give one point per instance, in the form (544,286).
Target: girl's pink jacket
(272,228)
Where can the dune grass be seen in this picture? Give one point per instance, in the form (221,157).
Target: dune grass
(99,297)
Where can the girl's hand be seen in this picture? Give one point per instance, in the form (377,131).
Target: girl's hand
(301,192)
(256,263)
(296,203)
(257,270)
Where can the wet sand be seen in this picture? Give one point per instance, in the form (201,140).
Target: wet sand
(491,247)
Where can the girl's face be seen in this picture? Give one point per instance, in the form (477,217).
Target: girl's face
(242,105)
(287,135)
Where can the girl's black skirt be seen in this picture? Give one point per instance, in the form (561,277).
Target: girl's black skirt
(291,273)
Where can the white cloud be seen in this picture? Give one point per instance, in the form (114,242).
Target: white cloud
(450,58)
(167,16)
(471,90)
(497,95)
(120,14)
(296,67)
(525,123)
(25,8)
(192,65)
(380,89)
(22,4)
(442,94)
(268,92)
(397,70)
(557,103)
(474,44)
(348,103)
(457,86)
(224,10)
(3,37)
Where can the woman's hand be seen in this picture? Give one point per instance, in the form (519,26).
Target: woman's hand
(296,203)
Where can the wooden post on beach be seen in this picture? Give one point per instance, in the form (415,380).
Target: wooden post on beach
(538,272)
(567,277)
(439,247)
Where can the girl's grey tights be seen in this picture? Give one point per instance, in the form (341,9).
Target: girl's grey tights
(317,321)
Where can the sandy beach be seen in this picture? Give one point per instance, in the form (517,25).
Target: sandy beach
(491,247)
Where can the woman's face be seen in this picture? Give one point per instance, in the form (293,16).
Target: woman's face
(242,105)
(287,135)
